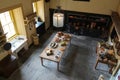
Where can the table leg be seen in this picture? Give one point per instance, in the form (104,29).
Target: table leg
(96,64)
(58,66)
(42,61)
(110,70)
(70,41)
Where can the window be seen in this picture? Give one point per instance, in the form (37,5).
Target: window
(38,7)
(7,24)
(34,6)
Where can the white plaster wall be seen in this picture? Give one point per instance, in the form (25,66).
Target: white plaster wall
(94,6)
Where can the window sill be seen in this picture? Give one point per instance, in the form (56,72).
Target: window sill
(19,42)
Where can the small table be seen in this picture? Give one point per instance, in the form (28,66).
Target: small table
(58,50)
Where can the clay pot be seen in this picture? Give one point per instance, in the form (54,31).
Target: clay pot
(60,34)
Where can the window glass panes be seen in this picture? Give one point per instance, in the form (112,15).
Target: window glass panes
(7,24)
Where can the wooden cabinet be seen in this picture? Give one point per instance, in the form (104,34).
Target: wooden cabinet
(8,65)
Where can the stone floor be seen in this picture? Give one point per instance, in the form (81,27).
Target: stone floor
(77,62)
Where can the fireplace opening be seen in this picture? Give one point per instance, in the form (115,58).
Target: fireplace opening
(88,25)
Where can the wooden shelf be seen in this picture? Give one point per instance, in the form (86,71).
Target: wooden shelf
(89,25)
(89,18)
(116,21)
(115,51)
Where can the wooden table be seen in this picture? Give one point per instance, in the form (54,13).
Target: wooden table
(60,50)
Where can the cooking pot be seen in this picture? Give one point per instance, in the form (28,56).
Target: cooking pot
(7,46)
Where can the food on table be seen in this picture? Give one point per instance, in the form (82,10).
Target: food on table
(67,35)
(57,40)
(54,45)
(56,56)
(62,48)
(63,43)
(59,34)
(49,52)
(63,38)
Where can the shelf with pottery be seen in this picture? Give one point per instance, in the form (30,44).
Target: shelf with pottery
(117,57)
(115,51)
(116,19)
(116,22)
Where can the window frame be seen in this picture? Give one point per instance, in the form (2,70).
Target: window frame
(12,21)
